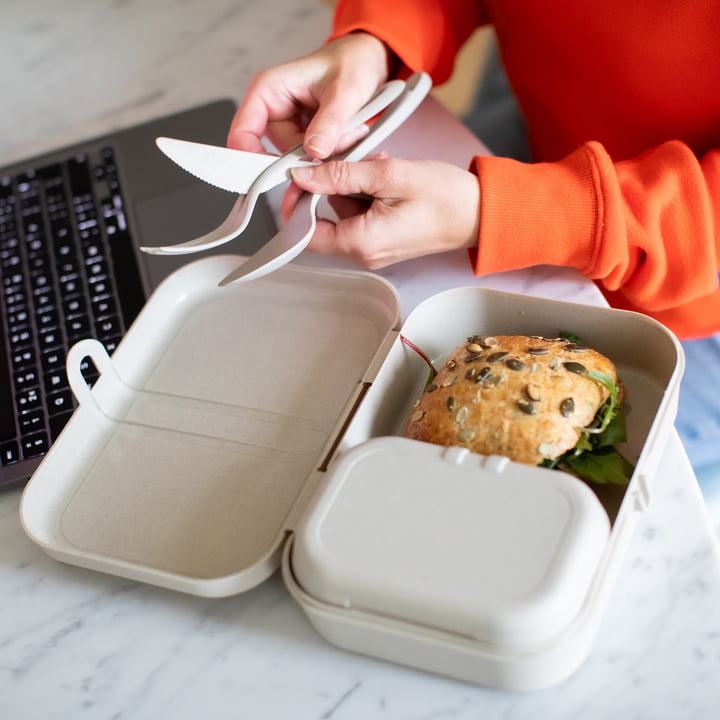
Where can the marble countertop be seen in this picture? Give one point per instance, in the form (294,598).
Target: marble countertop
(76,644)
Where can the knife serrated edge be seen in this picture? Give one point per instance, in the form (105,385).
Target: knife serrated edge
(224,168)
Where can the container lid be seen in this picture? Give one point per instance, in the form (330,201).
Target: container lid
(478,546)
(189,459)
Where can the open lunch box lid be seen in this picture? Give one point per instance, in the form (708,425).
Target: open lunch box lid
(230,420)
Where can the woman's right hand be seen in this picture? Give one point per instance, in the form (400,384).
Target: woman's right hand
(310,100)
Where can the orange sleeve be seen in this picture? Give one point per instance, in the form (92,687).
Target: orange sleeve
(646,229)
(425,34)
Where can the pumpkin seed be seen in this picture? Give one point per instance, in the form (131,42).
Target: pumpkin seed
(448,381)
(567,407)
(515,364)
(474,347)
(527,407)
(497,357)
(418,416)
(430,387)
(450,403)
(473,357)
(466,435)
(575,367)
(537,351)
(450,364)
(462,415)
(482,375)
(575,347)
(533,392)
(470,374)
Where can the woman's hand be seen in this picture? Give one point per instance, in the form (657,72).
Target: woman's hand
(416,208)
(311,99)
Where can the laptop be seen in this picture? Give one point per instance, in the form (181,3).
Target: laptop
(71,224)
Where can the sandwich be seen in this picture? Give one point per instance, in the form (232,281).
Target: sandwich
(541,401)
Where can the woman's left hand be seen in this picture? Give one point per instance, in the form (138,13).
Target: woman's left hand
(414,208)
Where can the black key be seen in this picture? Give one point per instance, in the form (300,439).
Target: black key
(26,379)
(50,174)
(9,453)
(96,268)
(32,421)
(56,380)
(51,339)
(22,359)
(104,306)
(126,267)
(67,268)
(44,300)
(57,423)
(21,338)
(53,359)
(79,175)
(111,343)
(7,415)
(71,286)
(100,287)
(48,319)
(78,328)
(15,298)
(61,232)
(13,282)
(17,317)
(59,402)
(74,306)
(108,327)
(39,263)
(28,399)
(35,444)
(40,281)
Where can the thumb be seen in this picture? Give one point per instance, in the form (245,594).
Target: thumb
(341,178)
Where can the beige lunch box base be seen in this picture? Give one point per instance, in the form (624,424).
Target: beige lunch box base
(236,429)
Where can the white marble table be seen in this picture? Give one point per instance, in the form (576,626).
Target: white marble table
(77,644)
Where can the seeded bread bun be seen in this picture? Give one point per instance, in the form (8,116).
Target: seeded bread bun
(526,398)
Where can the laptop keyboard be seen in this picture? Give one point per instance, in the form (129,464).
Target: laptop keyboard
(64,240)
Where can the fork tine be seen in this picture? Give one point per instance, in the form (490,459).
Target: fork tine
(289,242)
(226,231)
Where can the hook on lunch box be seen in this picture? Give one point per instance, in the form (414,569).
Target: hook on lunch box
(88,348)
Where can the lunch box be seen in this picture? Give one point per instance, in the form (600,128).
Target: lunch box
(258,426)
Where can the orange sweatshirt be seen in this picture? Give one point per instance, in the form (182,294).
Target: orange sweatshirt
(622,104)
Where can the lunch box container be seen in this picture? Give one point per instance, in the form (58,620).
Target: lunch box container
(258,426)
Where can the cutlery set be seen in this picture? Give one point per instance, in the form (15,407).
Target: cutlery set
(251,174)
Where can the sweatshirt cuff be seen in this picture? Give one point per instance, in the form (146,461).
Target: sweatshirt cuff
(538,214)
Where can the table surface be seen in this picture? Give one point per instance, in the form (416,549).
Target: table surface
(74,643)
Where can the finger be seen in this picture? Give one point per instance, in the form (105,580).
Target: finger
(248,125)
(344,178)
(346,206)
(326,240)
(271,98)
(285,134)
(290,200)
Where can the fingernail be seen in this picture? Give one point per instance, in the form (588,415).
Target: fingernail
(304,172)
(318,144)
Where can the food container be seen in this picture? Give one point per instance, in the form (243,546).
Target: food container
(240,429)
